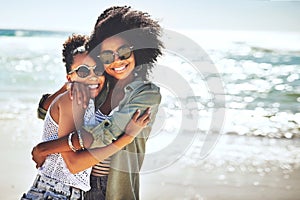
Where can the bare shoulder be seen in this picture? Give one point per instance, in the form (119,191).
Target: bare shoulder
(61,101)
(64,102)
(64,97)
(61,106)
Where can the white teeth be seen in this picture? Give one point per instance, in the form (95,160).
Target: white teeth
(93,86)
(120,68)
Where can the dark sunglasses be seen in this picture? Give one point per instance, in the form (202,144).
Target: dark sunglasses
(108,56)
(84,71)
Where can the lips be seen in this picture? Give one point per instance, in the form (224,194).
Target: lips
(94,86)
(119,69)
(94,89)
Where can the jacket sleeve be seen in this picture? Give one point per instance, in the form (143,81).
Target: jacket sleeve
(109,130)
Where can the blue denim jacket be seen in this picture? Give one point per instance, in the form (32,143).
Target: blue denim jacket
(123,179)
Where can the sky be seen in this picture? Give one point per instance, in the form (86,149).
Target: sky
(80,16)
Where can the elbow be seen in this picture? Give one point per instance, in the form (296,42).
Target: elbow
(74,171)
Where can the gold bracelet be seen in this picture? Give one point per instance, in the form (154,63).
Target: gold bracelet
(70,142)
(80,140)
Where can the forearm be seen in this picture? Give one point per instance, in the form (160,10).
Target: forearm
(81,160)
(61,144)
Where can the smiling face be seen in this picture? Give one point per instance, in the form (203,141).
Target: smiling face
(119,69)
(94,82)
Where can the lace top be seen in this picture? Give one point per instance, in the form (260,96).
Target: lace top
(54,165)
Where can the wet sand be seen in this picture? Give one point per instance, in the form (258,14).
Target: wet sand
(239,167)
(179,182)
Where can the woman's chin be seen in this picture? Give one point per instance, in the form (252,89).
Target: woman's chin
(94,93)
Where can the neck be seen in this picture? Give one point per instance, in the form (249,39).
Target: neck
(120,84)
(116,94)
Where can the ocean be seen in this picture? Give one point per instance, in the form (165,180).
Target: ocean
(259,72)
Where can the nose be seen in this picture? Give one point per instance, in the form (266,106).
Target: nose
(116,57)
(93,77)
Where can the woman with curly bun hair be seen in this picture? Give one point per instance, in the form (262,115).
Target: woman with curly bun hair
(54,180)
(127,43)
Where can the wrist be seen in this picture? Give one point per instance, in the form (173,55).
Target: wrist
(86,137)
(70,143)
(129,136)
(124,140)
(41,149)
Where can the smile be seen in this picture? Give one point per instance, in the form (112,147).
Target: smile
(120,69)
(94,86)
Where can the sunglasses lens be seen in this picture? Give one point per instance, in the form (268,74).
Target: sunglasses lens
(107,57)
(83,71)
(99,70)
(124,52)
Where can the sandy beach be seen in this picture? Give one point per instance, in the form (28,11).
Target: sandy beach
(178,182)
(237,168)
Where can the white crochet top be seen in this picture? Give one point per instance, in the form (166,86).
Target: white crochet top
(54,165)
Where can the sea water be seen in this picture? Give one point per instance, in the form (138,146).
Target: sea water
(259,72)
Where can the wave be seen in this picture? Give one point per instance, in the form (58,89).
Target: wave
(31,33)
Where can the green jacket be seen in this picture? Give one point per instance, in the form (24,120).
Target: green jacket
(123,180)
